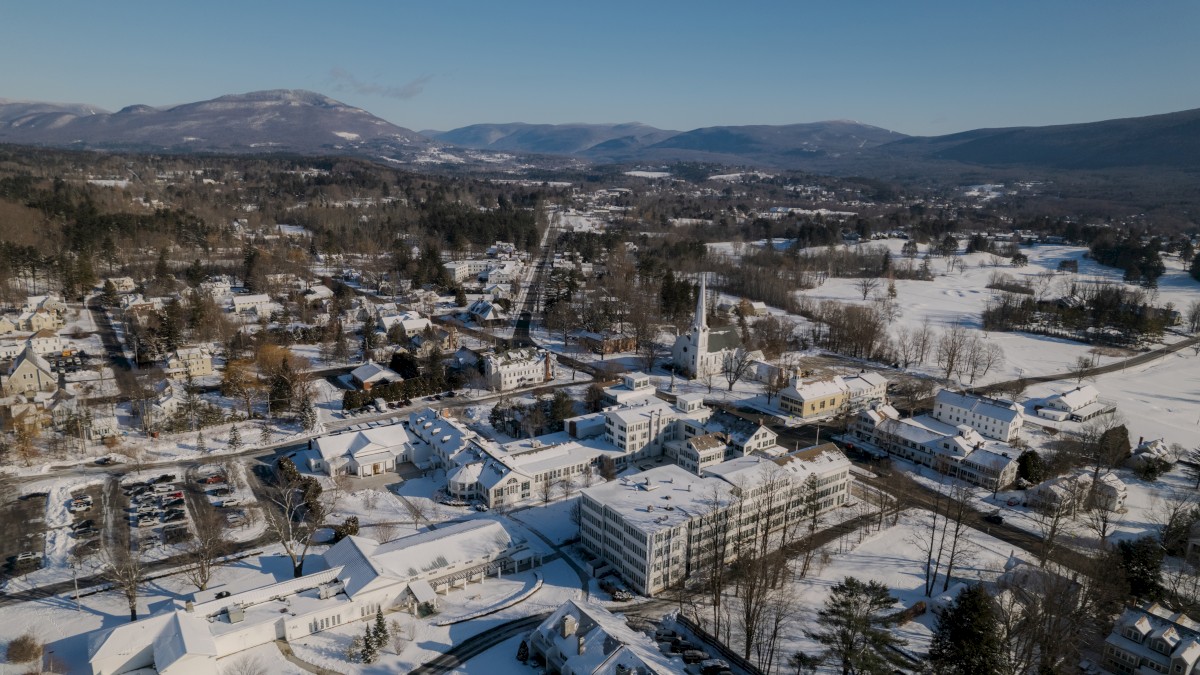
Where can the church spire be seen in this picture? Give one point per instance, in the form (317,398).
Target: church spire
(700,321)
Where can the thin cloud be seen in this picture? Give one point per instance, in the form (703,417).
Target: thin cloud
(344,80)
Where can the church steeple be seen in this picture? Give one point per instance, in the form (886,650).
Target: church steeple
(700,321)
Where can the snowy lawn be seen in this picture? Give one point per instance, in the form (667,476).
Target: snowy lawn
(888,557)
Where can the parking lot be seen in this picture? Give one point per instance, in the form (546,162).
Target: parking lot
(88,519)
(158,510)
(22,530)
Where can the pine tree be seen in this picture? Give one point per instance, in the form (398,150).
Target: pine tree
(201,446)
(523,652)
(966,640)
(235,439)
(370,650)
(852,625)
(382,636)
(264,435)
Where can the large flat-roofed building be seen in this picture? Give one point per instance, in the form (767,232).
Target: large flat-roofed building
(658,527)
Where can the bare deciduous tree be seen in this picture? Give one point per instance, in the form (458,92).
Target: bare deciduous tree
(866,286)
(292,520)
(123,568)
(205,548)
(736,365)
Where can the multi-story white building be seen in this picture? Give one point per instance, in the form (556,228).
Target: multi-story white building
(1152,639)
(993,418)
(958,451)
(642,431)
(518,368)
(464,270)
(658,527)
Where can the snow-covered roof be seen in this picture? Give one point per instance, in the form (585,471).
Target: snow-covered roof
(816,389)
(371,372)
(29,355)
(986,407)
(601,641)
(391,438)
(1078,397)
(184,635)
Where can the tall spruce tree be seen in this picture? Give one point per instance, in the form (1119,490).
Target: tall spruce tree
(966,639)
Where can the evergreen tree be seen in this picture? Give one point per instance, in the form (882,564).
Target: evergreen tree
(368,336)
(264,435)
(109,298)
(460,297)
(370,650)
(1031,467)
(235,439)
(382,635)
(966,639)
(852,626)
(523,652)
(201,446)
(1141,562)
(1194,270)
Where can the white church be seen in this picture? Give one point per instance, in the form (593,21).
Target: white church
(702,350)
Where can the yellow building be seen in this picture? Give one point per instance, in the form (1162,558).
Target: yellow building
(814,399)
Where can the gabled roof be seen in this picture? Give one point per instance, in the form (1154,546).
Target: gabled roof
(986,407)
(184,635)
(30,356)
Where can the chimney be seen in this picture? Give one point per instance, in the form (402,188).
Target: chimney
(189,606)
(580,648)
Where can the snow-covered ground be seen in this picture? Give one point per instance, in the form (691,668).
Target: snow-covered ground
(65,630)
(960,297)
(423,640)
(888,557)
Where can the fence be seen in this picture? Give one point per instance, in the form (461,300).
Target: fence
(731,657)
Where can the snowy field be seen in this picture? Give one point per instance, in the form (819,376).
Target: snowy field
(1160,399)
(960,297)
(889,558)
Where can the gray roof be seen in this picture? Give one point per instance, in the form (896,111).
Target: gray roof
(720,339)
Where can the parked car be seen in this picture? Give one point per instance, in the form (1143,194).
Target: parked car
(104,461)
(229,502)
(221,492)
(165,478)
(994,518)
(147,521)
(86,533)
(178,501)
(172,516)
(214,479)
(83,523)
(695,656)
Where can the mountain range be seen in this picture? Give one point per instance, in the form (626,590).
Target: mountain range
(304,122)
(262,121)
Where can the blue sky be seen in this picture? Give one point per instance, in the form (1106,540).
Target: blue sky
(915,67)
